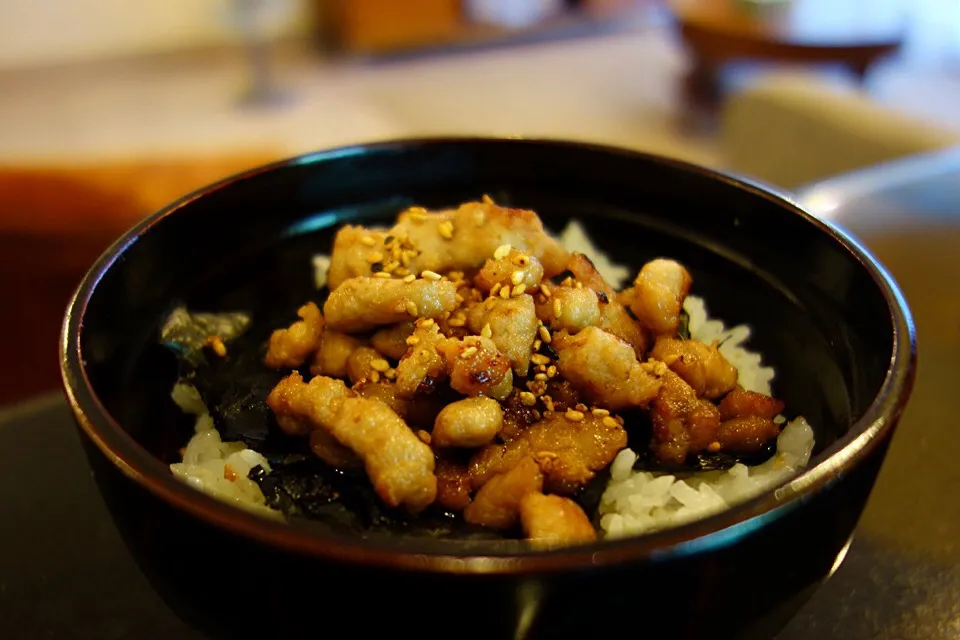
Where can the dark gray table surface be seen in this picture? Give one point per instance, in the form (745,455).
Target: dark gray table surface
(65,573)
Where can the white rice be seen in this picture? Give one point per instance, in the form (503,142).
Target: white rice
(636,502)
(218,468)
(321,265)
(574,238)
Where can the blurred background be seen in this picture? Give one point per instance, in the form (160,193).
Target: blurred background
(111,109)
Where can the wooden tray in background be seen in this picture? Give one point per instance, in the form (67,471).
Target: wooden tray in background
(54,223)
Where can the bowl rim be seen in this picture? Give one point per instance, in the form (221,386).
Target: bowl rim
(874,427)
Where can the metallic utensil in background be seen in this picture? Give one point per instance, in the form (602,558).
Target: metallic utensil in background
(252,19)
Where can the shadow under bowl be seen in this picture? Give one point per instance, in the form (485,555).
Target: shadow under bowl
(824,313)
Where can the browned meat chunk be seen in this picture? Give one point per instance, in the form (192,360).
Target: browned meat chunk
(291,347)
(748,424)
(702,366)
(473,364)
(335,349)
(517,417)
(399,465)
(658,295)
(328,449)
(569,446)
(357,251)
(614,317)
(360,364)
(453,485)
(512,269)
(740,403)
(477,368)
(682,422)
(746,434)
(424,364)
(554,520)
(511,324)
(497,504)
(360,304)
(470,423)
(392,341)
(462,239)
(606,370)
(420,413)
(569,309)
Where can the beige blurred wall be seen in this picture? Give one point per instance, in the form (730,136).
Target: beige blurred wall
(43,32)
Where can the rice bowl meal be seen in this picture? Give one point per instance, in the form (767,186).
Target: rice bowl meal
(465,373)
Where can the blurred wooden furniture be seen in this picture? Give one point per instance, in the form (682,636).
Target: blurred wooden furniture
(391,26)
(790,129)
(54,223)
(373,25)
(789,31)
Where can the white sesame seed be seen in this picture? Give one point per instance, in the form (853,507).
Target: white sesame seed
(446,229)
(545,334)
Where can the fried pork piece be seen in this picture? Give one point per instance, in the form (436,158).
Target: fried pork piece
(517,417)
(682,422)
(360,364)
(421,412)
(291,347)
(550,520)
(473,364)
(469,423)
(562,395)
(399,465)
(569,309)
(739,403)
(392,341)
(476,367)
(360,304)
(424,365)
(510,270)
(658,294)
(748,424)
(323,445)
(702,366)
(614,317)
(453,485)
(335,349)
(497,503)
(569,446)
(746,434)
(606,369)
(329,449)
(356,251)
(462,239)
(512,326)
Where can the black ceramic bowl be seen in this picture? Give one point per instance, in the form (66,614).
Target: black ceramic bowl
(825,314)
